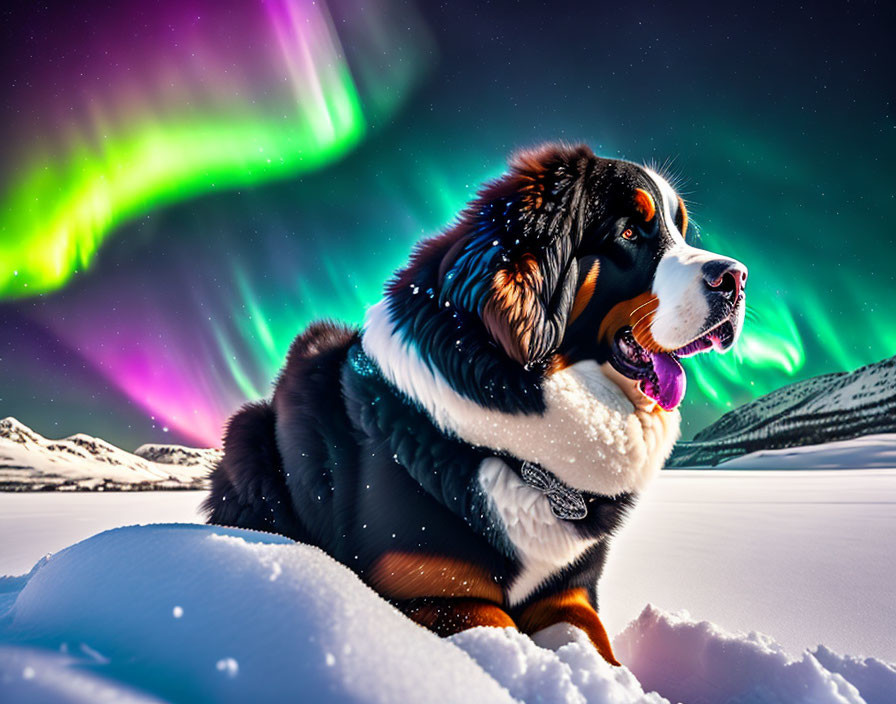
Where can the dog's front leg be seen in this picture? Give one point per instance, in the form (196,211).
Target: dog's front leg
(449,615)
(569,606)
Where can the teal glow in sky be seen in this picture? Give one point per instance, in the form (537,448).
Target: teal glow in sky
(174,263)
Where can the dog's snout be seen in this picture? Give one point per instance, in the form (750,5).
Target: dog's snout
(725,276)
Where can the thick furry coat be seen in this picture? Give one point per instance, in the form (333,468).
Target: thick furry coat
(515,340)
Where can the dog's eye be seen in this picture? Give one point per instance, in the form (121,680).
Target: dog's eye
(629,234)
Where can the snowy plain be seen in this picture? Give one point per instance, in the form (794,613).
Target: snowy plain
(183,613)
(866,452)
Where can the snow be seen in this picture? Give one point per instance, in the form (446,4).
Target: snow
(46,522)
(804,556)
(29,461)
(186,612)
(41,677)
(867,452)
(699,662)
(574,672)
(876,680)
(204,458)
(821,410)
(264,619)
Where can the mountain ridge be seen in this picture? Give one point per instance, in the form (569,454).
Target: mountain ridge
(824,409)
(31,462)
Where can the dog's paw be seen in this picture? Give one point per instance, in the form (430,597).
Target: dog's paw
(560,634)
(557,635)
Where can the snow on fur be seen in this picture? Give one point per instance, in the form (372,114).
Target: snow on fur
(599,442)
(189,612)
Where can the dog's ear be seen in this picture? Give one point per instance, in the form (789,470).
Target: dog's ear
(515,267)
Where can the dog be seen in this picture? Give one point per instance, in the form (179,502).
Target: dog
(471,450)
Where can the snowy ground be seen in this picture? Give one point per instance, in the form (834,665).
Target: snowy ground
(35,524)
(804,557)
(867,452)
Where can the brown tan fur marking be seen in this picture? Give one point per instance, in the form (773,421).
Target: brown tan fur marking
(558,363)
(645,204)
(636,312)
(684,216)
(571,606)
(402,575)
(510,312)
(449,616)
(585,292)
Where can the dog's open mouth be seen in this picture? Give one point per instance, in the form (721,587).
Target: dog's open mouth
(660,374)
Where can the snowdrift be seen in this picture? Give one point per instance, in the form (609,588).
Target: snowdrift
(192,613)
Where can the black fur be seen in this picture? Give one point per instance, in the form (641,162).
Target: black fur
(365,471)
(248,487)
(339,458)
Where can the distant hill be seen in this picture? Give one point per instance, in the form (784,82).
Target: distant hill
(825,409)
(31,462)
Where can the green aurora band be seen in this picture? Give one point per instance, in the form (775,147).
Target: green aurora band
(253,346)
(64,206)
(57,217)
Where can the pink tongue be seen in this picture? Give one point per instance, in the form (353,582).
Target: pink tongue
(671,379)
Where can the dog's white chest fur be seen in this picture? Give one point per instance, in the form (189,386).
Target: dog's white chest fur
(543,542)
(590,435)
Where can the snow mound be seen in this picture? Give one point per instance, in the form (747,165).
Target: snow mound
(203,613)
(867,452)
(199,613)
(876,680)
(690,661)
(572,673)
(31,462)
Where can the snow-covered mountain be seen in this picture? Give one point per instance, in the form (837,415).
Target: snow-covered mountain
(824,409)
(180,455)
(31,462)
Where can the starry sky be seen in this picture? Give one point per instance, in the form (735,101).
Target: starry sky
(186,184)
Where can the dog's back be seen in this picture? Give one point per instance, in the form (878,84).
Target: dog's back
(250,488)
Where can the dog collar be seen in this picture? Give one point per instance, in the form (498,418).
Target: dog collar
(567,503)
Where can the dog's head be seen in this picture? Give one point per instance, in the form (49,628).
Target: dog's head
(566,258)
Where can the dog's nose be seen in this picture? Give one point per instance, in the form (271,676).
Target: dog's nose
(725,276)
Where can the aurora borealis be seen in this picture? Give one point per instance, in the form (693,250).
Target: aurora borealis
(185,185)
(110,168)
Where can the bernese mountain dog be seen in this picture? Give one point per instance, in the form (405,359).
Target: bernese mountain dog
(470,451)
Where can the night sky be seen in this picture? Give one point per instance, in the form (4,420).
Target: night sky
(186,184)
